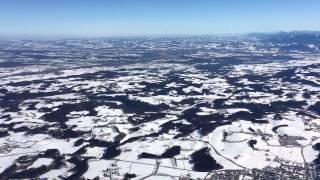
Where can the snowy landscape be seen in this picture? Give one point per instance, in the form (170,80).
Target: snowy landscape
(189,107)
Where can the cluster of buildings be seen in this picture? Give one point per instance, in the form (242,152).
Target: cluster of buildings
(286,140)
(286,171)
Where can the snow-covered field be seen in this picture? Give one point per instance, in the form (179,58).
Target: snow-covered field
(126,110)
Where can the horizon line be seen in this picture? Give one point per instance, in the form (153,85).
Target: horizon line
(19,36)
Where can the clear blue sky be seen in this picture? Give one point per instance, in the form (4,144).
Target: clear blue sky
(138,17)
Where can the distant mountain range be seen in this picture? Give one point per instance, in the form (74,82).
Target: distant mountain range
(295,40)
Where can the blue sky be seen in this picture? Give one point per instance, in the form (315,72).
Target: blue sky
(143,17)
